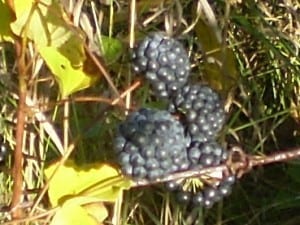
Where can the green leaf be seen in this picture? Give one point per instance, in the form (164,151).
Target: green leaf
(219,66)
(5,19)
(94,180)
(80,210)
(112,49)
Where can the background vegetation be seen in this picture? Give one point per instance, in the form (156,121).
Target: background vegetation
(247,50)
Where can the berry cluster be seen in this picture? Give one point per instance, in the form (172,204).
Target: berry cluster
(164,62)
(206,196)
(201,155)
(202,109)
(205,154)
(151,143)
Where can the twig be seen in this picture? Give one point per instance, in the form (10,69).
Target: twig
(102,69)
(238,164)
(41,216)
(132,21)
(281,156)
(126,92)
(183,175)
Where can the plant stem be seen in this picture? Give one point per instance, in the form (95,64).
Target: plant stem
(17,169)
(21,117)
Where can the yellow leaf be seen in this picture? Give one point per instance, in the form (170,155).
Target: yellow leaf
(5,19)
(97,210)
(94,180)
(60,44)
(75,212)
(69,78)
(44,23)
(22,5)
(92,205)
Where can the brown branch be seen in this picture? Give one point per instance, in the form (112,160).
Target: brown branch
(238,164)
(281,156)
(18,157)
(21,115)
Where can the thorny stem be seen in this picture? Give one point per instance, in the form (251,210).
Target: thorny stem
(243,164)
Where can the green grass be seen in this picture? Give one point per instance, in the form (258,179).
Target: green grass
(260,85)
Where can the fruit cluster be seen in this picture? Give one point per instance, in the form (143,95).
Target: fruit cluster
(164,62)
(205,196)
(152,143)
(202,109)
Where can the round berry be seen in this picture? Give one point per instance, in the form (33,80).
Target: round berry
(183,196)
